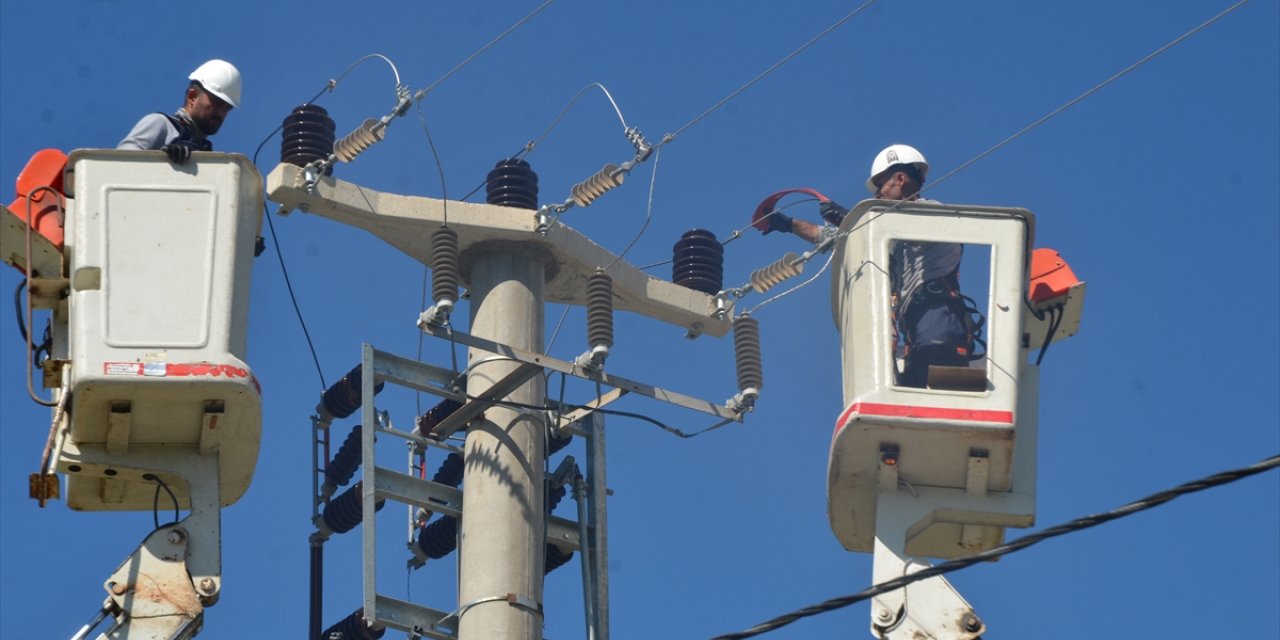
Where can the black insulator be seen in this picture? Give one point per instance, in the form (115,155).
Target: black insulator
(555,496)
(556,558)
(445,275)
(435,415)
(450,471)
(599,310)
(343,398)
(307,136)
(352,627)
(346,461)
(346,511)
(439,538)
(512,183)
(746,353)
(698,262)
(559,442)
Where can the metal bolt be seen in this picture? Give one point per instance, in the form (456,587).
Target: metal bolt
(206,585)
(883,615)
(970,623)
(175,536)
(118,589)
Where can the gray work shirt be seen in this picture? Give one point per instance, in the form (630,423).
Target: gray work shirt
(919,262)
(156,130)
(915,263)
(153,131)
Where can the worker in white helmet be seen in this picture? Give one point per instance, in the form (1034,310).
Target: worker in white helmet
(213,91)
(935,323)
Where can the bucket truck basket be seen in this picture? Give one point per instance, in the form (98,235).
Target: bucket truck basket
(964,440)
(159,258)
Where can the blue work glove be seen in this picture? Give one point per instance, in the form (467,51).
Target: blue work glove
(778,221)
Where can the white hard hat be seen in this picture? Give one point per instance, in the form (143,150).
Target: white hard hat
(221,78)
(896,154)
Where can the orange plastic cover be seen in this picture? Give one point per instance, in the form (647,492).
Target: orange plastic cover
(44,169)
(1051,276)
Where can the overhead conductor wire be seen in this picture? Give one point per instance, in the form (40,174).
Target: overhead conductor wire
(533,144)
(1070,103)
(444,199)
(672,136)
(429,88)
(824,33)
(648,212)
(275,238)
(1079,524)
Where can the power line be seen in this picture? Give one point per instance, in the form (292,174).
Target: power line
(423,93)
(1079,524)
(1072,102)
(824,33)
(275,241)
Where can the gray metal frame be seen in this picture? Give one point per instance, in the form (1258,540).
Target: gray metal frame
(383,483)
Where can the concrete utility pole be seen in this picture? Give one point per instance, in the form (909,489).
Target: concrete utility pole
(502,550)
(512,266)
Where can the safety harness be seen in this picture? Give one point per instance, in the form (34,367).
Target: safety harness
(943,291)
(187,132)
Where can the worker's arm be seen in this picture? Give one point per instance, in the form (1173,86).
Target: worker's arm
(806,230)
(779,221)
(152,132)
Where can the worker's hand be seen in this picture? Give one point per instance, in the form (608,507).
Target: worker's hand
(178,152)
(832,212)
(778,221)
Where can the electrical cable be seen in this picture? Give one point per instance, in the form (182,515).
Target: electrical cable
(529,146)
(423,92)
(1079,524)
(297,310)
(333,83)
(32,353)
(1056,314)
(444,198)
(155,501)
(736,233)
(672,136)
(275,241)
(17,308)
(648,212)
(824,33)
(546,407)
(1072,102)
(1049,115)
(556,332)
(830,256)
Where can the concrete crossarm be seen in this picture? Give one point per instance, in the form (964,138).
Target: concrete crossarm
(407,222)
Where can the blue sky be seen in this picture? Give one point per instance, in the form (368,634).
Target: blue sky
(1162,190)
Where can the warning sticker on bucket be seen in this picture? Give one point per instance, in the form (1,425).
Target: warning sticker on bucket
(122,368)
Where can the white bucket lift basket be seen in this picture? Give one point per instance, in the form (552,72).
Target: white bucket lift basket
(159,258)
(970,452)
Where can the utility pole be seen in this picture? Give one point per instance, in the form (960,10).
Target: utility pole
(512,262)
(502,546)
